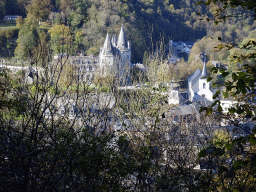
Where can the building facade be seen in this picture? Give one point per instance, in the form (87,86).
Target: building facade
(10,17)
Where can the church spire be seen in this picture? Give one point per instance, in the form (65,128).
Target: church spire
(122,41)
(107,47)
(204,72)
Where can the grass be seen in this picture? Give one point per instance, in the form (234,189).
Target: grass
(15,62)
(45,26)
(7,24)
(12,25)
(82,87)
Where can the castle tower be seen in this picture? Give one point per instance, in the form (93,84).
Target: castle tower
(124,49)
(115,57)
(106,56)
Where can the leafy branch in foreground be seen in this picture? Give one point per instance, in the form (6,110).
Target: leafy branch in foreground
(235,158)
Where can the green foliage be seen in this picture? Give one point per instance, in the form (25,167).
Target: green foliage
(6,41)
(2,9)
(27,39)
(62,39)
(236,160)
(19,22)
(3,42)
(104,89)
(39,9)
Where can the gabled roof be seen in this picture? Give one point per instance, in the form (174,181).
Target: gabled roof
(196,73)
(107,47)
(122,41)
(194,78)
(184,110)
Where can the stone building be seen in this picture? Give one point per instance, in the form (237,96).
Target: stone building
(86,67)
(114,59)
(10,17)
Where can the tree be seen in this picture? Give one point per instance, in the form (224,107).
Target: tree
(19,22)
(27,39)
(220,12)
(40,9)
(3,41)
(2,9)
(61,39)
(235,158)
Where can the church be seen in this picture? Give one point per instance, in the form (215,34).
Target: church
(199,89)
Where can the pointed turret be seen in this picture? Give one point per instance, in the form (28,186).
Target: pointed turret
(107,47)
(122,41)
(204,72)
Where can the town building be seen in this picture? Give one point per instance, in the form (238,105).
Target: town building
(10,17)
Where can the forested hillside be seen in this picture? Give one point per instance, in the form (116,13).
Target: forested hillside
(234,32)
(145,21)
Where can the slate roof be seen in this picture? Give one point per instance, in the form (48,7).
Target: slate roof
(183,110)
(107,47)
(204,73)
(122,41)
(195,76)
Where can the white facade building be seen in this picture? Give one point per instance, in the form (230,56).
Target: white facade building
(198,87)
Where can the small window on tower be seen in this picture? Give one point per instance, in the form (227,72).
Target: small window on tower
(204,86)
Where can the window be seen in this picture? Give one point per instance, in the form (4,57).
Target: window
(204,86)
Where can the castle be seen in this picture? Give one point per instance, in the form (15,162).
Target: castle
(114,59)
